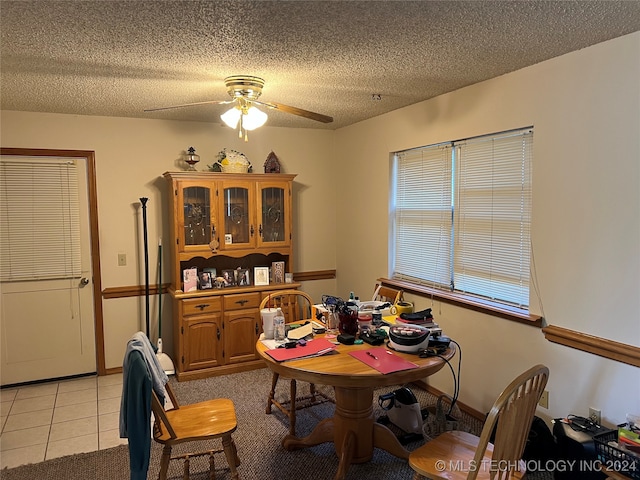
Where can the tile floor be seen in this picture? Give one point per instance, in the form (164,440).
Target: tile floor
(49,420)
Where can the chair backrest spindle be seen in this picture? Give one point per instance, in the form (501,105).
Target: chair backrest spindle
(387,294)
(295,304)
(159,410)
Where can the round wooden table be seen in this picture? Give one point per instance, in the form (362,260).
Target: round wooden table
(352,428)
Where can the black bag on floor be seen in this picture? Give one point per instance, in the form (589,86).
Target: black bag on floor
(541,445)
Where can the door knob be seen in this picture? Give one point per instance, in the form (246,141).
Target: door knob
(84,281)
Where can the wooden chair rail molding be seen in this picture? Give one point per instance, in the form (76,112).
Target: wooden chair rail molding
(132,291)
(314,275)
(610,349)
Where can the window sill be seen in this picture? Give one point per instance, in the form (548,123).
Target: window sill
(473,303)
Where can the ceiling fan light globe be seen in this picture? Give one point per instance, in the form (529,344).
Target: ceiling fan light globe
(253,119)
(231,117)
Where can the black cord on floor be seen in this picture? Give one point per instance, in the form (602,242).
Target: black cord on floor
(456,378)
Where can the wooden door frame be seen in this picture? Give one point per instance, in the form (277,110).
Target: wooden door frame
(89,157)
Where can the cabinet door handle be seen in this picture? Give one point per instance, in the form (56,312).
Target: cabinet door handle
(252,230)
(260,230)
(257,329)
(218,333)
(202,306)
(241,302)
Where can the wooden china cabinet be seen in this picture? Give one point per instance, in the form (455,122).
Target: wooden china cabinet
(225,222)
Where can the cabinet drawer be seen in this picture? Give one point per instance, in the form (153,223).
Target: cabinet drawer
(241,301)
(197,306)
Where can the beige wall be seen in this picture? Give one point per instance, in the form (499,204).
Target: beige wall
(585,109)
(131,156)
(586,223)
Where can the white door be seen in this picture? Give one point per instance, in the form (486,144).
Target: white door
(47,320)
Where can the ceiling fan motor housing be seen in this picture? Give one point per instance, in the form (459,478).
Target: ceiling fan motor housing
(244,86)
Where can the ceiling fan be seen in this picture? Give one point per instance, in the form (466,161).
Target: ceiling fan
(244,91)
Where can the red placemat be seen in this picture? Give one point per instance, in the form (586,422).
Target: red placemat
(383,360)
(315,347)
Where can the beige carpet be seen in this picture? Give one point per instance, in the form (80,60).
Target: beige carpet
(257,438)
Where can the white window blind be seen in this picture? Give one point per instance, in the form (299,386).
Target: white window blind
(461,215)
(39,219)
(492,234)
(422,220)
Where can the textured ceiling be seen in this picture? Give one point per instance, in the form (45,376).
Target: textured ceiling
(117,58)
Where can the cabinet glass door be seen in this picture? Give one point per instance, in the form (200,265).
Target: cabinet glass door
(274,227)
(239,231)
(196,230)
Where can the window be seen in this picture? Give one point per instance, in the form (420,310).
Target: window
(461,214)
(39,219)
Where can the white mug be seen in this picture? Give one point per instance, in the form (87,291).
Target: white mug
(267,315)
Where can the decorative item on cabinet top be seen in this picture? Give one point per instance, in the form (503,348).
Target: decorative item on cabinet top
(272,164)
(231,161)
(191,158)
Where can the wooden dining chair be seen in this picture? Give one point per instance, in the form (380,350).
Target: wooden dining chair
(197,422)
(456,455)
(296,306)
(383,293)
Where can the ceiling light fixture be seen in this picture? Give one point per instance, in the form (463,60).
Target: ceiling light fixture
(243,115)
(251,117)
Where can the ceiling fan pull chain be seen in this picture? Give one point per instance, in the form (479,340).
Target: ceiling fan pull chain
(246,135)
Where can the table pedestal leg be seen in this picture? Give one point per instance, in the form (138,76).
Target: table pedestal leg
(354,415)
(353,430)
(386,440)
(346,457)
(323,432)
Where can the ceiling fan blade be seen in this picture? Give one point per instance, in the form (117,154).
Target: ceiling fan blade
(318,117)
(210,102)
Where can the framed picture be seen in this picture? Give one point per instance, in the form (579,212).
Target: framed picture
(212,272)
(278,272)
(190,278)
(229,277)
(261,275)
(243,277)
(206,282)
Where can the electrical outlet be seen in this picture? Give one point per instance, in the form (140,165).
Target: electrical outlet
(595,415)
(122,259)
(544,399)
